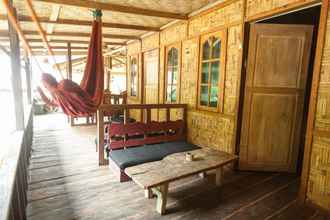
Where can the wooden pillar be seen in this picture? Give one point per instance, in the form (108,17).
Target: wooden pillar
(109,72)
(69,75)
(28,72)
(69,62)
(16,75)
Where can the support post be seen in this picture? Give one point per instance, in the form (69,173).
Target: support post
(69,74)
(28,72)
(16,74)
(100,137)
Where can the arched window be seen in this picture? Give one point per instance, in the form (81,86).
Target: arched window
(172,73)
(134,76)
(211,75)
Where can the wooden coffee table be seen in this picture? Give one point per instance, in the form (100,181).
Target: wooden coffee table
(155,177)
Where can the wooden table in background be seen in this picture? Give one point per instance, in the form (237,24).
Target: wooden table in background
(155,177)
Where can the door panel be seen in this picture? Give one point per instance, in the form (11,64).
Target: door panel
(276,57)
(151,80)
(274,96)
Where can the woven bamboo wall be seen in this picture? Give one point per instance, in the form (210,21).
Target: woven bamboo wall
(255,7)
(150,42)
(319,181)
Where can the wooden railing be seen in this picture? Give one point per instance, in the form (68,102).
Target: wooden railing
(14,173)
(145,117)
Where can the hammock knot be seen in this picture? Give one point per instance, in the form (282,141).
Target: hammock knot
(97,13)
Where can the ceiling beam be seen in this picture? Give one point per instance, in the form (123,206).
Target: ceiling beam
(46,20)
(59,47)
(117,8)
(68,41)
(56,9)
(4,33)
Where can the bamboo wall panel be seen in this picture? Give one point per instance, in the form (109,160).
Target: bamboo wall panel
(189,72)
(232,68)
(150,42)
(174,34)
(219,18)
(162,112)
(319,178)
(210,130)
(323,109)
(133,48)
(254,7)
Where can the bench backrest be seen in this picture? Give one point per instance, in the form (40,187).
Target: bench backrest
(138,133)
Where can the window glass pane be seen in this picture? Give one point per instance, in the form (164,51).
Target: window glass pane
(173,94)
(205,73)
(216,48)
(170,58)
(206,50)
(175,54)
(215,73)
(175,74)
(214,96)
(134,77)
(169,76)
(168,93)
(204,96)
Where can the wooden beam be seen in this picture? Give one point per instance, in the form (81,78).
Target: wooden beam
(85,23)
(53,17)
(16,71)
(60,47)
(67,41)
(42,33)
(117,8)
(4,33)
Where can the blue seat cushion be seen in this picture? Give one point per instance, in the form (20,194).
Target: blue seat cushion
(148,153)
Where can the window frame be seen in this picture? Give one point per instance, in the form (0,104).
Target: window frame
(222,35)
(178,84)
(129,88)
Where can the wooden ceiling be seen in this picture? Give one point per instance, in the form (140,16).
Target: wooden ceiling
(70,20)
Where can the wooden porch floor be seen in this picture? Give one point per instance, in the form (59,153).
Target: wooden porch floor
(66,183)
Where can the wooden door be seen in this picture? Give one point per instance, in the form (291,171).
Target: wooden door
(151,79)
(275,84)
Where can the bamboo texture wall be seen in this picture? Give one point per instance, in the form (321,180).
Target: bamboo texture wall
(218,130)
(319,179)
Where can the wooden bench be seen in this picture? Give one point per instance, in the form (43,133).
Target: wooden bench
(155,177)
(145,131)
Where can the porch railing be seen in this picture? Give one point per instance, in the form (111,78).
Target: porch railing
(14,172)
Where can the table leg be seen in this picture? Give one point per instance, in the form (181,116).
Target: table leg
(218,176)
(161,193)
(202,175)
(148,193)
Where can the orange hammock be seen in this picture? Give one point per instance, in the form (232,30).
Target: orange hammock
(81,100)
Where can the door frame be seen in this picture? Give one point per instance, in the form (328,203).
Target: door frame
(320,42)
